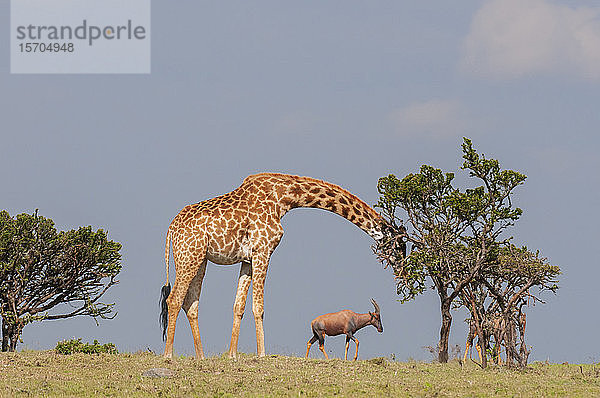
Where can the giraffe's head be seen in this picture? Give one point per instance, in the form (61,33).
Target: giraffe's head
(376,233)
(390,246)
(380,229)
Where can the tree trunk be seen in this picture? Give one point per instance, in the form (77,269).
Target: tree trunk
(509,340)
(15,333)
(13,344)
(5,336)
(444,331)
(10,336)
(524,354)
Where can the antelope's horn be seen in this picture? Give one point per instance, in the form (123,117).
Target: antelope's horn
(375,305)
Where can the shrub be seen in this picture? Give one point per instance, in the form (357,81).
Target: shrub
(68,347)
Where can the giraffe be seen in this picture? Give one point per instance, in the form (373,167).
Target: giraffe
(470,337)
(245,226)
(494,326)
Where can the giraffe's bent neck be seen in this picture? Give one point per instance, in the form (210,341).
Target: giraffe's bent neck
(244,225)
(294,191)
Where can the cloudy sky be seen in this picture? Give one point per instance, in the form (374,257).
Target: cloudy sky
(344,91)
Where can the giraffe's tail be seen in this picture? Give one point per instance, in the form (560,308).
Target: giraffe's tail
(164,309)
(165,291)
(167,253)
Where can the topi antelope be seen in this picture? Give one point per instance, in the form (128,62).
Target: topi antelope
(342,322)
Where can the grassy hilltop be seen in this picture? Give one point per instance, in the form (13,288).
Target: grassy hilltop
(46,373)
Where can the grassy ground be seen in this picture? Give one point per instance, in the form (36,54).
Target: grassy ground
(44,373)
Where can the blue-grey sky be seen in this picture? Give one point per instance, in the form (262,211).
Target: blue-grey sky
(346,91)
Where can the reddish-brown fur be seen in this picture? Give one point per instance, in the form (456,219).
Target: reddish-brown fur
(342,322)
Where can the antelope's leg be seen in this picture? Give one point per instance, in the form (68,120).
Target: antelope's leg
(347,345)
(239,306)
(356,341)
(190,306)
(310,343)
(322,348)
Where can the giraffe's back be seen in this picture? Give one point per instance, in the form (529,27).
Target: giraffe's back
(231,226)
(223,227)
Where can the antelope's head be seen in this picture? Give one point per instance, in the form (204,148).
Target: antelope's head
(376,317)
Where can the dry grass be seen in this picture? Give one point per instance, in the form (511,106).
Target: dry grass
(44,373)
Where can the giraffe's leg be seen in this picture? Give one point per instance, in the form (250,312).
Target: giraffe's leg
(498,349)
(478,346)
(190,306)
(176,298)
(259,274)
(467,350)
(174,303)
(239,306)
(310,343)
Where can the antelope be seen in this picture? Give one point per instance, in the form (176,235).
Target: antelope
(343,322)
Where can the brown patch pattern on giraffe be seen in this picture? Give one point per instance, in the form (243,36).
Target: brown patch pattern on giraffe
(244,226)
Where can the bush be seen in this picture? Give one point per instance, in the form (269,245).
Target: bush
(68,347)
(42,268)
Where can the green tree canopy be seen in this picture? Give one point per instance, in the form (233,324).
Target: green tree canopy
(454,234)
(42,268)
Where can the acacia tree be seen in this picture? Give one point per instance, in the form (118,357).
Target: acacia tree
(434,235)
(496,300)
(42,269)
(453,234)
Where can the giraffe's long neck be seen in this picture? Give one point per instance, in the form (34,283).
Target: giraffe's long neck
(309,192)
